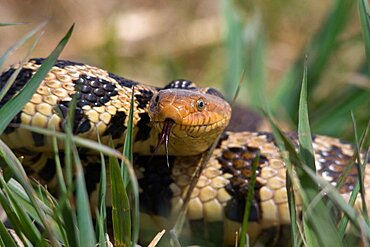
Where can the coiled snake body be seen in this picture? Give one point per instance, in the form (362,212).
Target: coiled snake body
(191,118)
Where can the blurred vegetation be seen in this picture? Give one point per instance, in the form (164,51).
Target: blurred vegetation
(213,43)
(330,101)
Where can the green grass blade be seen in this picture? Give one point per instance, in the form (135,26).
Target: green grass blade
(19,173)
(249,199)
(19,193)
(319,216)
(28,227)
(20,42)
(23,210)
(101,232)
(304,131)
(10,213)
(69,145)
(128,153)
(338,200)
(6,239)
(102,214)
(85,224)
(128,144)
(307,155)
(69,219)
(364,14)
(4,24)
(343,223)
(120,206)
(64,209)
(21,198)
(290,185)
(75,219)
(359,168)
(292,204)
(58,166)
(317,213)
(14,105)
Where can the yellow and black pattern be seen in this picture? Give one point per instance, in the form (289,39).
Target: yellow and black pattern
(103,101)
(216,205)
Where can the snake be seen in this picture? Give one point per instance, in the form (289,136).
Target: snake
(178,123)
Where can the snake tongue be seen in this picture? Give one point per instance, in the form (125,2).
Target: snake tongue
(165,137)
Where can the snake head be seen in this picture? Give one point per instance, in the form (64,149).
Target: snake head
(191,119)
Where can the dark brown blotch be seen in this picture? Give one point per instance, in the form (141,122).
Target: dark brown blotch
(237,161)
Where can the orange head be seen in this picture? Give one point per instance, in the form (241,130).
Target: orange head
(195,118)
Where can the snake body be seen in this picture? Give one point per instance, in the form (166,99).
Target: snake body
(197,117)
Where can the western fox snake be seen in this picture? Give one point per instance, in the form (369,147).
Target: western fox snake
(191,118)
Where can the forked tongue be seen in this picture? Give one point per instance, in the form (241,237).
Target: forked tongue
(165,137)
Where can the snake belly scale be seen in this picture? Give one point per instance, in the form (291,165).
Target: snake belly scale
(191,118)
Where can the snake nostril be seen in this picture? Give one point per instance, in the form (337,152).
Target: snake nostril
(154,103)
(156,99)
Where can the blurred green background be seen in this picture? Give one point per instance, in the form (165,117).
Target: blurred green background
(212,42)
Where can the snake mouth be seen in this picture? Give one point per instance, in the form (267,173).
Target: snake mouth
(190,132)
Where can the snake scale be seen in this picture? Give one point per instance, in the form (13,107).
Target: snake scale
(187,119)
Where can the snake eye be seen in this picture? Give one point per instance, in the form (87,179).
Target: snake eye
(201,104)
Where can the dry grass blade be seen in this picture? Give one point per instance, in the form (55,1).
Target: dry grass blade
(6,238)
(157,238)
(78,140)
(20,42)
(12,78)
(176,230)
